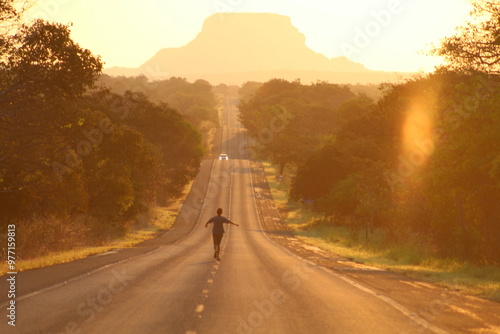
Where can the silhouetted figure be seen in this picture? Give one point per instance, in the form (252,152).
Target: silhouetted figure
(218,230)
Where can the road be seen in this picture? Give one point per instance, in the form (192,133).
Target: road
(261,285)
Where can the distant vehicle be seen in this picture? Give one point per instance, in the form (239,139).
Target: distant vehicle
(223,156)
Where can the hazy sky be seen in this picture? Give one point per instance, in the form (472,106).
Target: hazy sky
(381,34)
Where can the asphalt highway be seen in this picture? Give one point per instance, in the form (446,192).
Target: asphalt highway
(176,286)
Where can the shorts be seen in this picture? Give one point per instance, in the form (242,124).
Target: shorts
(217,238)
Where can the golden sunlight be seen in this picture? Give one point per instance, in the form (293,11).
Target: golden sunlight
(417,143)
(417,127)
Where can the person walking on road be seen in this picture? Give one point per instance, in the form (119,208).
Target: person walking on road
(218,230)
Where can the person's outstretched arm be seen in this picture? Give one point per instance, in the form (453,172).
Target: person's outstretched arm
(208,222)
(230,222)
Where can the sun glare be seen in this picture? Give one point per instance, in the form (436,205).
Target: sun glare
(417,142)
(417,127)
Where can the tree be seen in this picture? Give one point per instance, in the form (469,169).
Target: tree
(122,174)
(44,58)
(254,113)
(248,89)
(177,143)
(10,14)
(289,121)
(320,173)
(443,189)
(466,214)
(194,101)
(42,75)
(476,46)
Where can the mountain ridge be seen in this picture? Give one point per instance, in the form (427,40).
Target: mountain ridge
(261,44)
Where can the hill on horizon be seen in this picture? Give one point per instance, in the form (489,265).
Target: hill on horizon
(239,47)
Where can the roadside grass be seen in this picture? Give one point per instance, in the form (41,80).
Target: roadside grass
(408,257)
(159,220)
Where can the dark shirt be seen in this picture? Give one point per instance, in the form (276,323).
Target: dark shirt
(218,221)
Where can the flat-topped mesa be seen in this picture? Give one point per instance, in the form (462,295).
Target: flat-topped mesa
(246,42)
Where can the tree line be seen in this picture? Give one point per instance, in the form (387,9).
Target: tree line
(195,101)
(422,163)
(72,148)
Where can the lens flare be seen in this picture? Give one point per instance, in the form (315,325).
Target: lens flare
(418,127)
(417,142)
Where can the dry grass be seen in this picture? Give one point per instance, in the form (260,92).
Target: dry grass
(49,241)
